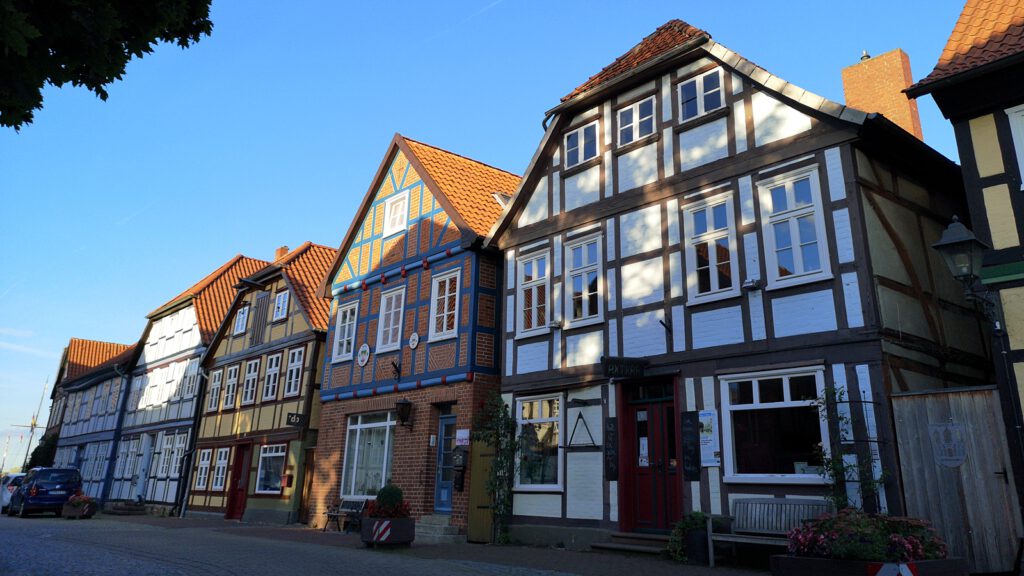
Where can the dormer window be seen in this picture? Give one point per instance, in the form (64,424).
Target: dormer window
(396,213)
(581,145)
(241,318)
(281,306)
(700,95)
(636,121)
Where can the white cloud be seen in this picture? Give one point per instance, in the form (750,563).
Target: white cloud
(28,350)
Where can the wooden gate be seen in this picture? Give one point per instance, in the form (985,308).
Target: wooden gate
(955,468)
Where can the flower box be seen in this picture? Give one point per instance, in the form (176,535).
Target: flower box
(388,531)
(80,510)
(784,565)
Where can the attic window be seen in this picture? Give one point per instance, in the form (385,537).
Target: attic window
(396,213)
(636,121)
(501,198)
(700,95)
(581,145)
(240,320)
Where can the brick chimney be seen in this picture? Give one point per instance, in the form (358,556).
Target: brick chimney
(280,252)
(877,84)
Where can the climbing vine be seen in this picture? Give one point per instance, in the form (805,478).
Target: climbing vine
(496,427)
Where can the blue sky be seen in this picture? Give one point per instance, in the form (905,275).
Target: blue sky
(268,132)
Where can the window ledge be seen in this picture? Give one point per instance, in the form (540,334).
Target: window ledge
(582,323)
(540,332)
(638,143)
(775,479)
(581,167)
(703,119)
(389,348)
(798,281)
(713,297)
(539,489)
(432,338)
(340,360)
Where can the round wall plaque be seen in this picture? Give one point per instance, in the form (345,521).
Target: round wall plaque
(364,354)
(414,340)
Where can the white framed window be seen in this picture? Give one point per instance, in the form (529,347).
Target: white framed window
(1016,116)
(444,305)
(115,394)
(122,454)
(98,397)
(396,213)
(345,331)
(293,379)
(202,469)
(165,455)
(280,306)
(389,322)
(368,448)
(220,470)
(252,374)
(179,452)
(175,374)
(191,378)
(539,426)
(700,95)
(773,426)
(135,397)
(241,318)
(793,227)
(268,475)
(636,121)
(230,387)
(214,398)
(712,270)
(84,405)
(583,282)
(271,378)
(533,311)
(581,144)
(132,464)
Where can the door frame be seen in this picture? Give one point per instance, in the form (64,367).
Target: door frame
(245,468)
(441,421)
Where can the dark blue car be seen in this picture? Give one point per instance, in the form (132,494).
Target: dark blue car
(45,490)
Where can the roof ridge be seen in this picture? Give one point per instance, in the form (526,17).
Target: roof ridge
(75,338)
(292,254)
(475,161)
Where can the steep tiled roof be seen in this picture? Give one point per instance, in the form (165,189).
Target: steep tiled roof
(987,31)
(83,356)
(305,268)
(213,294)
(467,184)
(668,36)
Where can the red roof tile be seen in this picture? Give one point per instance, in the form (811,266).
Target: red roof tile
(83,356)
(670,35)
(987,31)
(306,267)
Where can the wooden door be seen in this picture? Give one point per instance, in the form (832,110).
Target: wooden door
(445,472)
(480,516)
(239,487)
(307,484)
(653,483)
(955,467)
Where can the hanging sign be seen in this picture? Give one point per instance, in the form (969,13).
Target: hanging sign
(710,451)
(620,367)
(462,437)
(296,419)
(690,441)
(948,444)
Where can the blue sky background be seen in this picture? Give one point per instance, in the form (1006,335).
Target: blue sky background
(268,132)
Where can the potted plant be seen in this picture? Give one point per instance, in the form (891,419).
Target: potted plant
(79,506)
(689,540)
(387,519)
(851,542)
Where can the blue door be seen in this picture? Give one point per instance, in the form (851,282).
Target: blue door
(443,486)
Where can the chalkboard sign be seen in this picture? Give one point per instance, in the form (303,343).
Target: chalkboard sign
(611,449)
(690,441)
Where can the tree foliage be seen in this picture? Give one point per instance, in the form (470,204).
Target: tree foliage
(83,42)
(496,426)
(44,453)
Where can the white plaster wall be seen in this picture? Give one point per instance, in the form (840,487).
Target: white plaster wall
(844,235)
(703,144)
(583,188)
(851,296)
(584,490)
(774,120)
(584,349)
(641,230)
(638,167)
(537,207)
(643,282)
(804,313)
(717,327)
(532,357)
(643,334)
(549,505)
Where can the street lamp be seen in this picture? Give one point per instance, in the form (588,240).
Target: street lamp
(963,254)
(404,409)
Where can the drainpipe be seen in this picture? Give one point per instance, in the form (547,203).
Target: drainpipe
(185,478)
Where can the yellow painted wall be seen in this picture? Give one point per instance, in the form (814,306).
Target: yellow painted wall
(1001,220)
(1013,315)
(987,155)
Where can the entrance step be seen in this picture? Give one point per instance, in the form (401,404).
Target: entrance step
(126,509)
(437,529)
(635,543)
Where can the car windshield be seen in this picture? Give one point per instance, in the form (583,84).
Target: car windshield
(58,476)
(16,481)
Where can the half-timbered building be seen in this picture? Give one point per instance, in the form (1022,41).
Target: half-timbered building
(257,430)
(698,255)
(413,335)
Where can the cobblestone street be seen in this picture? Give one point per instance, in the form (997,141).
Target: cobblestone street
(142,546)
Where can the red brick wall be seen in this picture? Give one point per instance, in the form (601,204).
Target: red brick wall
(876,85)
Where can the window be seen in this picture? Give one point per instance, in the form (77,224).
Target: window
(179,453)
(533,294)
(115,395)
(700,95)
(138,383)
(583,280)
(389,324)
(203,469)
(191,378)
(396,213)
(444,305)
(214,397)
(268,477)
(293,381)
(793,227)
(345,332)
(711,266)
(220,471)
(241,317)
(270,380)
(122,452)
(1016,115)
(773,429)
(367,454)
(252,373)
(230,387)
(165,455)
(83,404)
(280,306)
(538,426)
(636,121)
(581,145)
(98,397)
(132,463)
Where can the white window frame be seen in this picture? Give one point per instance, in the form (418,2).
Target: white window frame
(1016,117)
(396,214)
(280,306)
(345,331)
(241,319)
(213,400)
(435,283)
(271,378)
(560,420)
(293,378)
(98,397)
(179,453)
(634,125)
(767,233)
(581,144)
(386,297)
(203,469)
(729,456)
(220,469)
(711,235)
(596,317)
(249,384)
(231,387)
(191,378)
(348,470)
(271,451)
(166,447)
(122,455)
(536,285)
(698,81)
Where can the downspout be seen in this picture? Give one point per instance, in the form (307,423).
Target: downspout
(184,487)
(121,409)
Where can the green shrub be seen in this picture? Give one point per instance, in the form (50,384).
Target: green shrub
(677,539)
(854,535)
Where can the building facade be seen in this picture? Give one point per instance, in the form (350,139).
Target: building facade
(258,426)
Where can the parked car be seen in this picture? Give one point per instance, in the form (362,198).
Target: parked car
(8,484)
(44,490)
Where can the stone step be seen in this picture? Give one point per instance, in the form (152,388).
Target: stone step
(629,548)
(434,520)
(640,539)
(440,538)
(436,529)
(126,511)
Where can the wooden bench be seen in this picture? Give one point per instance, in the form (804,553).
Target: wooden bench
(349,511)
(765,521)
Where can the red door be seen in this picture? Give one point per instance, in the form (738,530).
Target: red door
(651,487)
(238,489)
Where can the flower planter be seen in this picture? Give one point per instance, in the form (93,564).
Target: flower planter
(78,511)
(783,565)
(697,547)
(388,531)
